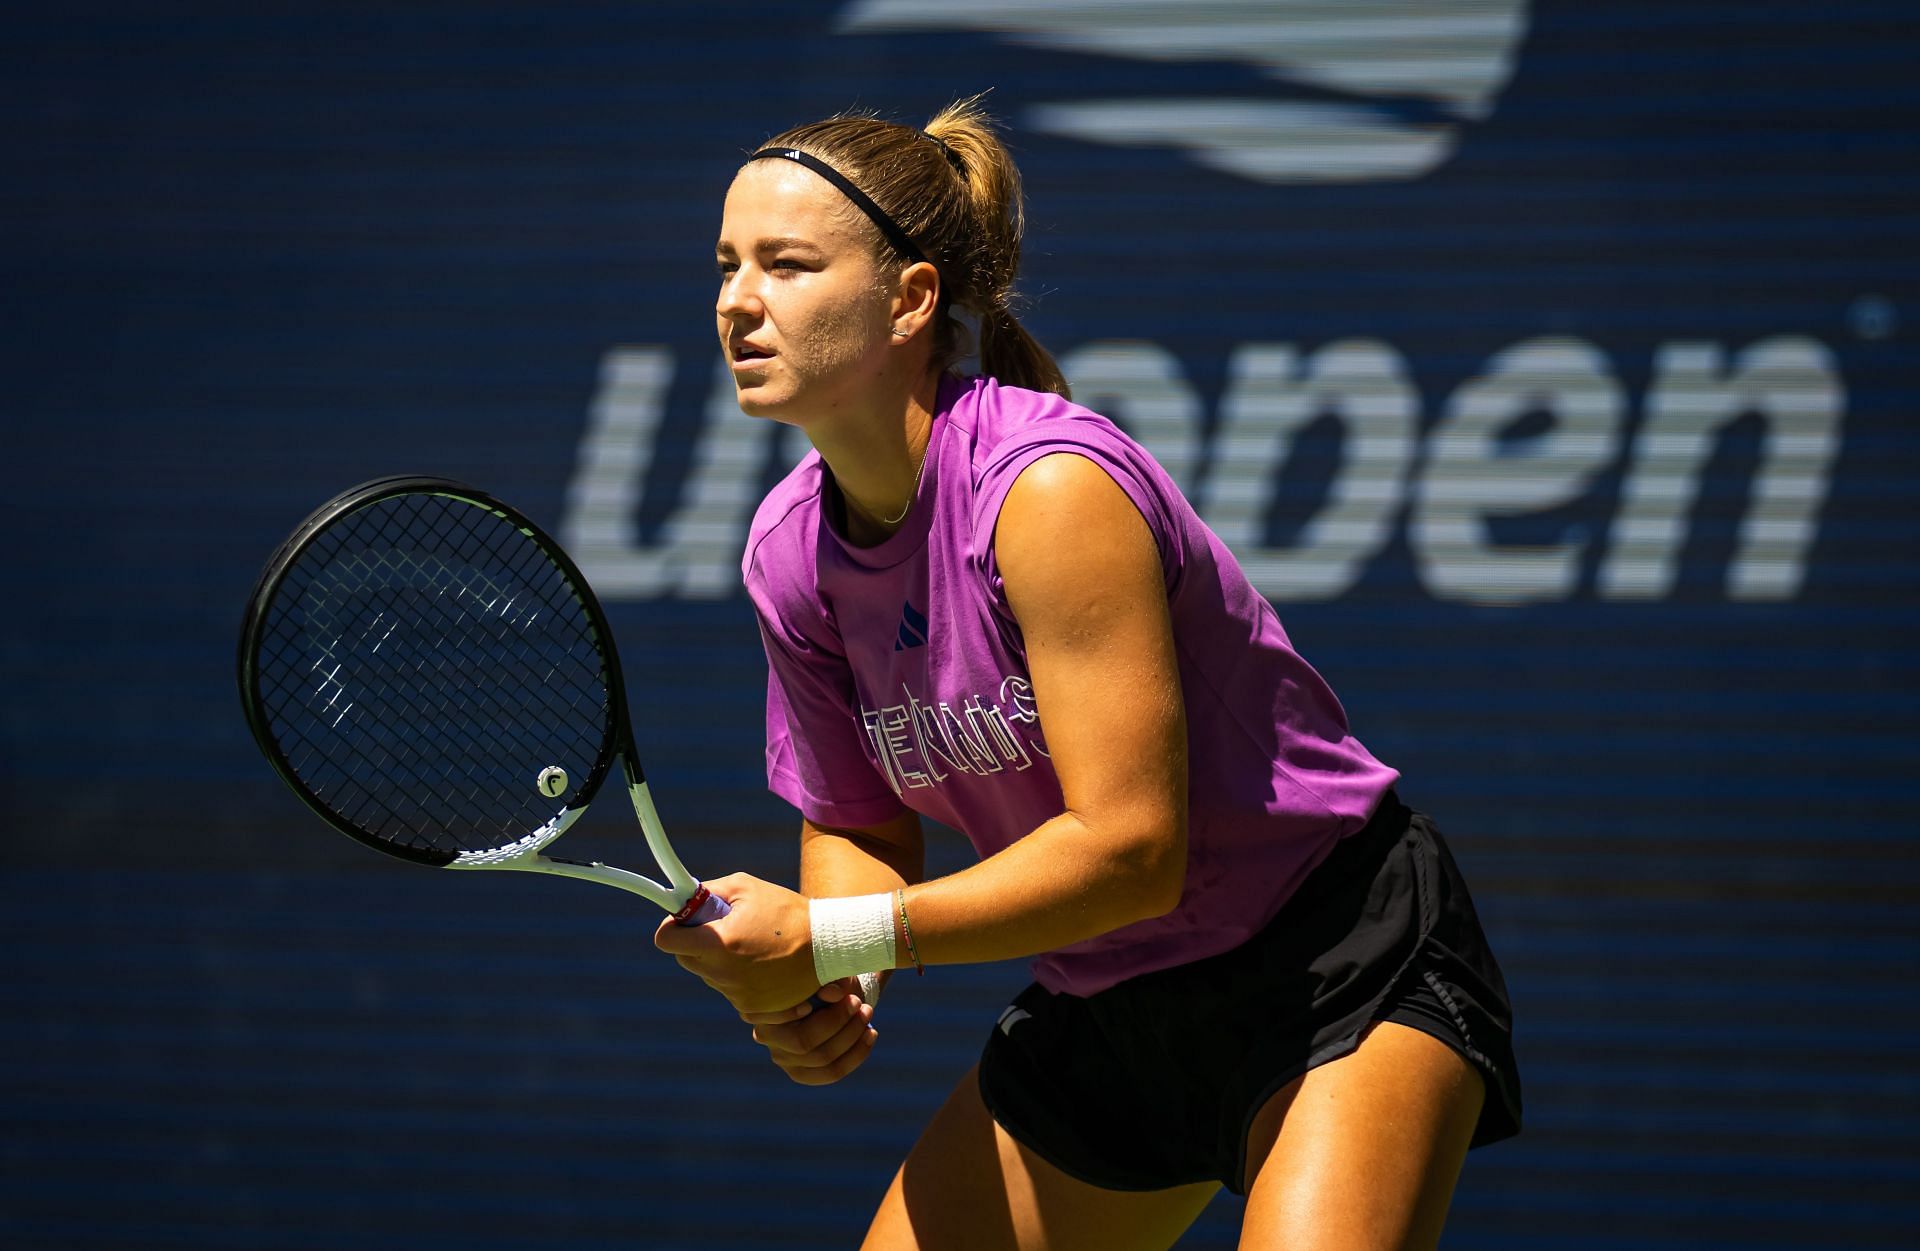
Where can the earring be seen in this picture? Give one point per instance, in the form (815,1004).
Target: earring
(900,334)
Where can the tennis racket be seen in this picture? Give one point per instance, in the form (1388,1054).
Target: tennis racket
(430,672)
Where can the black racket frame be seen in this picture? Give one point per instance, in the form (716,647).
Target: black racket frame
(619,743)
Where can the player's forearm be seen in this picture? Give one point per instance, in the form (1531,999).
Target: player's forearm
(1064,883)
(837,862)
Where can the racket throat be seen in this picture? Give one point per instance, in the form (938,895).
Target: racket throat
(622,879)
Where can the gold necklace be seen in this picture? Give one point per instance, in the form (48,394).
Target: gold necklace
(911,495)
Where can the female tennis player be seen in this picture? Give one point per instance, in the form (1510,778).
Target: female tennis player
(1254,966)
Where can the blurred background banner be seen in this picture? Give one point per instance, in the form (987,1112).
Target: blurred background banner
(1550,366)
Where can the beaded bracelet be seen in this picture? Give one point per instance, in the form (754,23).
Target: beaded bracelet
(906,928)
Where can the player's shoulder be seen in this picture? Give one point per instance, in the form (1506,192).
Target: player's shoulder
(785,523)
(1057,446)
(1011,428)
(1002,420)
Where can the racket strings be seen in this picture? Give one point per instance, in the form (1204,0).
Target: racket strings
(423,661)
(452,692)
(381,700)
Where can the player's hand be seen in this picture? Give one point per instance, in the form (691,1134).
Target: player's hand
(760,955)
(824,1045)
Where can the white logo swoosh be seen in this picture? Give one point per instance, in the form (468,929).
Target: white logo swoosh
(1453,59)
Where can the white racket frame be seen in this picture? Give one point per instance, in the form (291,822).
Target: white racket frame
(523,855)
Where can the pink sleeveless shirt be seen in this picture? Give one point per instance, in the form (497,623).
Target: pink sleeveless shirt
(897,679)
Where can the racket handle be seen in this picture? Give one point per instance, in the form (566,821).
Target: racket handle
(703,908)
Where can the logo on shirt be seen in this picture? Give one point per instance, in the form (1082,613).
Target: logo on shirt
(913,628)
(920,743)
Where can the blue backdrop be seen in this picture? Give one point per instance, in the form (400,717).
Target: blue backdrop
(1551,366)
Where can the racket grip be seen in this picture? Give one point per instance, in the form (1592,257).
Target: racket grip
(704,908)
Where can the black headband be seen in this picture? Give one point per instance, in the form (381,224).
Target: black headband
(888,227)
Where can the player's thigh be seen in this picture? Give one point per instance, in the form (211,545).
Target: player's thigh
(968,1186)
(1363,1152)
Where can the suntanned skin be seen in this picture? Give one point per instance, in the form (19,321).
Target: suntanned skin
(1360,1153)
(1082,576)
(1357,1155)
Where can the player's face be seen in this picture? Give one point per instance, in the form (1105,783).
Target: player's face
(804,310)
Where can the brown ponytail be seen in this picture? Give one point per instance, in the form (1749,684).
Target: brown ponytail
(1008,352)
(954,189)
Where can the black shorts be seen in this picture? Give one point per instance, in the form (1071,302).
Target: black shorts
(1155,1082)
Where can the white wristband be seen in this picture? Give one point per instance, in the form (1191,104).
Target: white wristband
(851,936)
